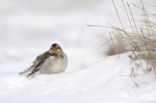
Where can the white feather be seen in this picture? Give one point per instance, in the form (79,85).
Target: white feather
(53,65)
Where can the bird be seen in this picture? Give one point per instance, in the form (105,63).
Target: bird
(50,62)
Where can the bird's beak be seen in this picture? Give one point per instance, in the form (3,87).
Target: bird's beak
(54,49)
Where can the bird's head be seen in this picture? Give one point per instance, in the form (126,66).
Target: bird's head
(55,47)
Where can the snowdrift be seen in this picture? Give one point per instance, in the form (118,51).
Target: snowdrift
(102,82)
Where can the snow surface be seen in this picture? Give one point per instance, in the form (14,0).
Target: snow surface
(27,29)
(102,82)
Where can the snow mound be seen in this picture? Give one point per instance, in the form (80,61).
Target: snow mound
(102,82)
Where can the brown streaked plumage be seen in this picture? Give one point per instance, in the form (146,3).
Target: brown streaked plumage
(52,61)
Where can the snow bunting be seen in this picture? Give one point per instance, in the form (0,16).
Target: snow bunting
(50,62)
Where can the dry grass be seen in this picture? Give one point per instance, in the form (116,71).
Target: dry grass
(140,39)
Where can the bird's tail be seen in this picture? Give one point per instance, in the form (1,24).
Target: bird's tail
(34,71)
(27,70)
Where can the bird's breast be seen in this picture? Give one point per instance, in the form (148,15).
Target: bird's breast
(53,65)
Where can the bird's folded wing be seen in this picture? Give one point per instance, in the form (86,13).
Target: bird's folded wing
(39,61)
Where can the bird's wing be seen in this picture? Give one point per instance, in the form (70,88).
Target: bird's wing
(38,62)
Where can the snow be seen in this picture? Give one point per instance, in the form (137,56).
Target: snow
(96,83)
(91,77)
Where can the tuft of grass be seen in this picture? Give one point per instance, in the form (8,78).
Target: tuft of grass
(140,39)
(117,46)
